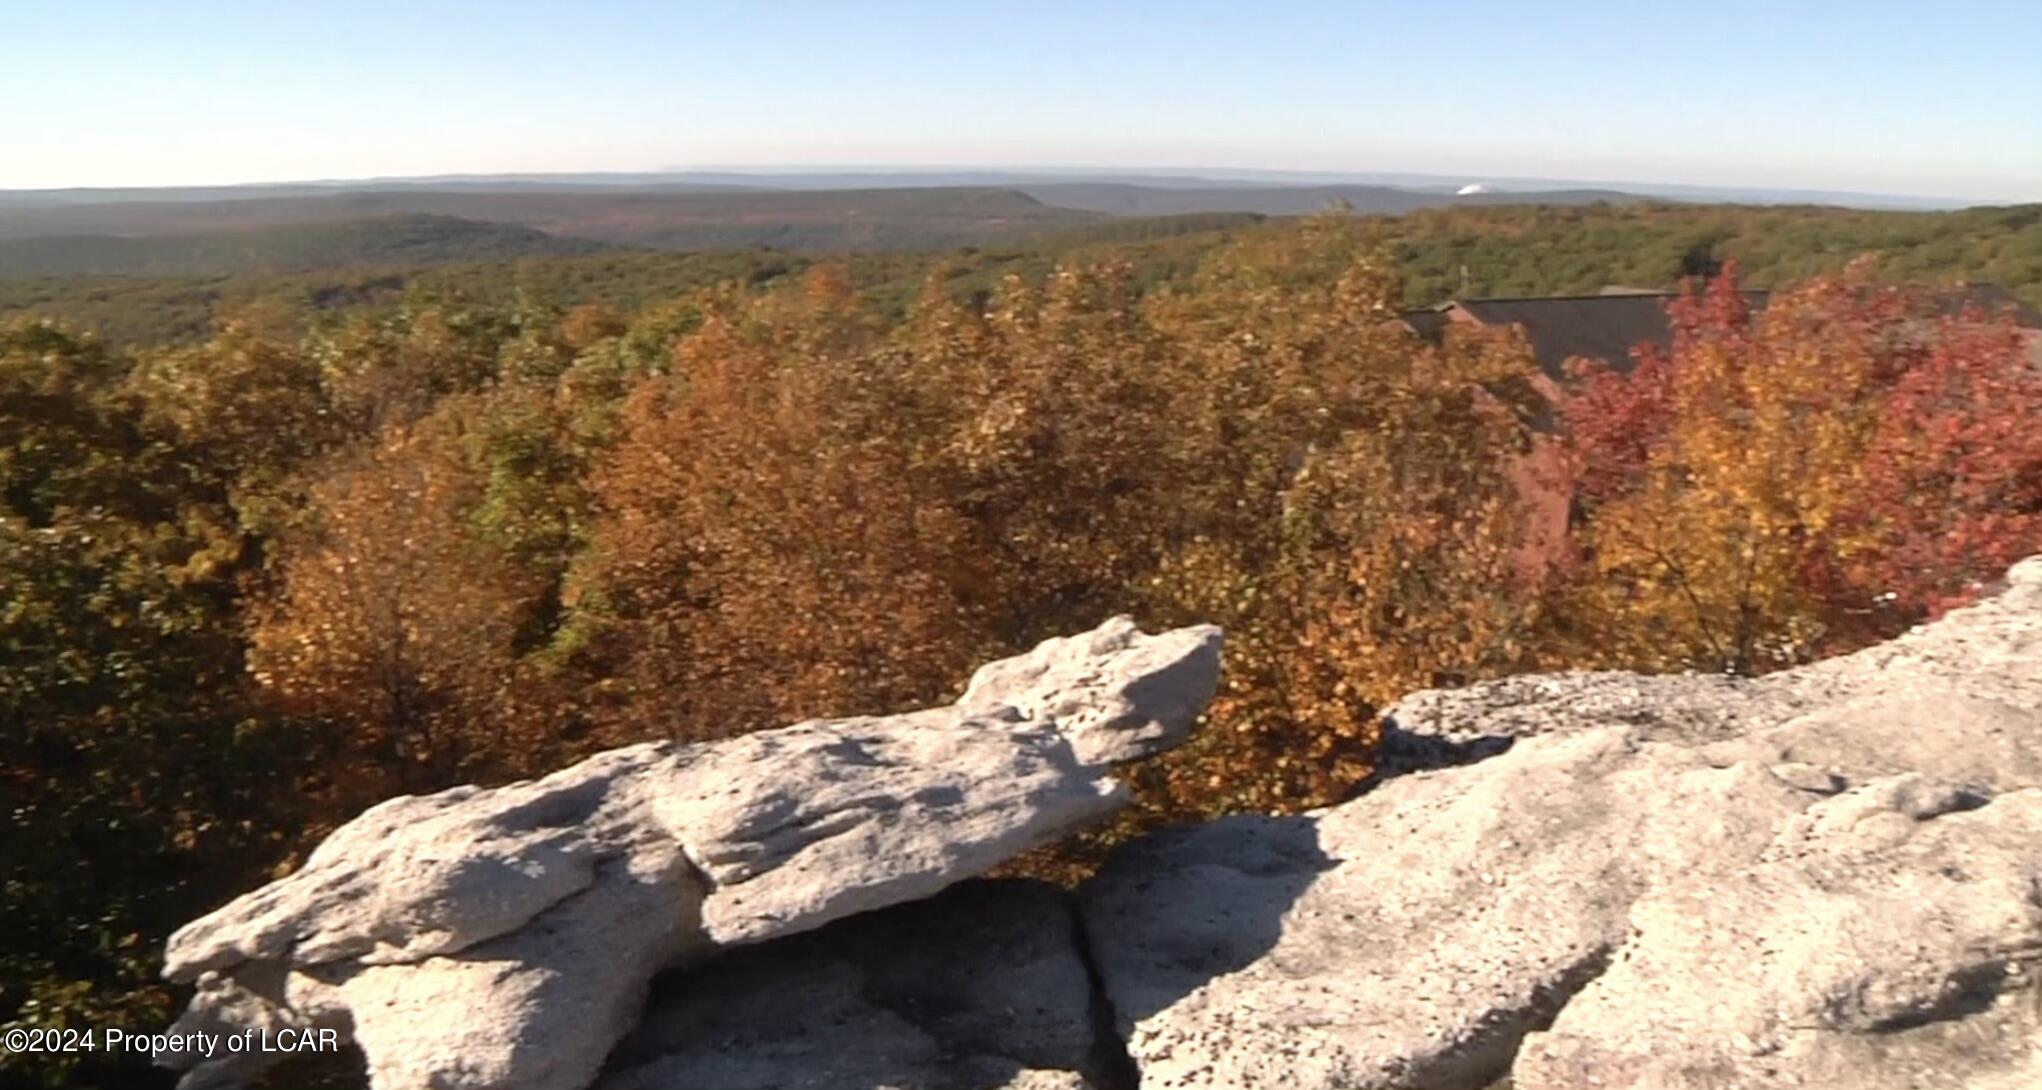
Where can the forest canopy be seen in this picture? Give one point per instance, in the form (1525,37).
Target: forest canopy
(326,272)
(286,565)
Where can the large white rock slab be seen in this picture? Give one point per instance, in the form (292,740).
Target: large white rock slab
(1410,938)
(1826,877)
(503,938)
(1889,937)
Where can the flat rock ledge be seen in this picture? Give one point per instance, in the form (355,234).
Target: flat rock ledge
(1829,877)
(505,938)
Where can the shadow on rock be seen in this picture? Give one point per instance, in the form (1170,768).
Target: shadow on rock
(979,988)
(1176,910)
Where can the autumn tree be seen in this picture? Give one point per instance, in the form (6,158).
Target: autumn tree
(1783,483)
(395,626)
(1054,447)
(1346,514)
(763,551)
(384,369)
(139,787)
(1950,490)
(810,515)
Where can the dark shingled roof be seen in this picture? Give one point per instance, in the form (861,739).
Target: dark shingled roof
(1598,327)
(1607,327)
(1429,324)
(1992,299)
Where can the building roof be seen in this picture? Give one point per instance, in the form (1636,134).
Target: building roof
(1599,327)
(1990,298)
(1429,324)
(1607,327)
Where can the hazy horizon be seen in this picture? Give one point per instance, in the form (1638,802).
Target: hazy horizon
(1875,98)
(883,176)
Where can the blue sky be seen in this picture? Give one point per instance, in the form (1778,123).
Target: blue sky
(1937,99)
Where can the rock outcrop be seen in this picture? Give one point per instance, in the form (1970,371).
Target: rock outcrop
(1830,877)
(504,938)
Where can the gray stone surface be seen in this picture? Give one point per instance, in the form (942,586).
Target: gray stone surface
(504,937)
(1410,938)
(1116,694)
(979,988)
(1828,877)
(1888,937)
(1986,652)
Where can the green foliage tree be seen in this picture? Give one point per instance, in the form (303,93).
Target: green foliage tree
(139,788)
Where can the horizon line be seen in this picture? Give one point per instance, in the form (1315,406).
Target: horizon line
(1274,177)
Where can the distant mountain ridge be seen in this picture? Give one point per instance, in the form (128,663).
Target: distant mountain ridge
(1136,200)
(198,231)
(631,216)
(407,227)
(701,180)
(207,230)
(406,240)
(1464,252)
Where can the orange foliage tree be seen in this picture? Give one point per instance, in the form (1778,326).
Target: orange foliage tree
(806,515)
(762,549)
(1809,477)
(395,626)
(1345,513)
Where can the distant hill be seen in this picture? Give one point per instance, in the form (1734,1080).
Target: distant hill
(82,231)
(207,231)
(1439,253)
(865,220)
(403,240)
(1459,251)
(700,216)
(564,183)
(878,219)
(687,179)
(1519,188)
(1122,199)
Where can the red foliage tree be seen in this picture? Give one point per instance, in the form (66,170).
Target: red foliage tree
(1952,490)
